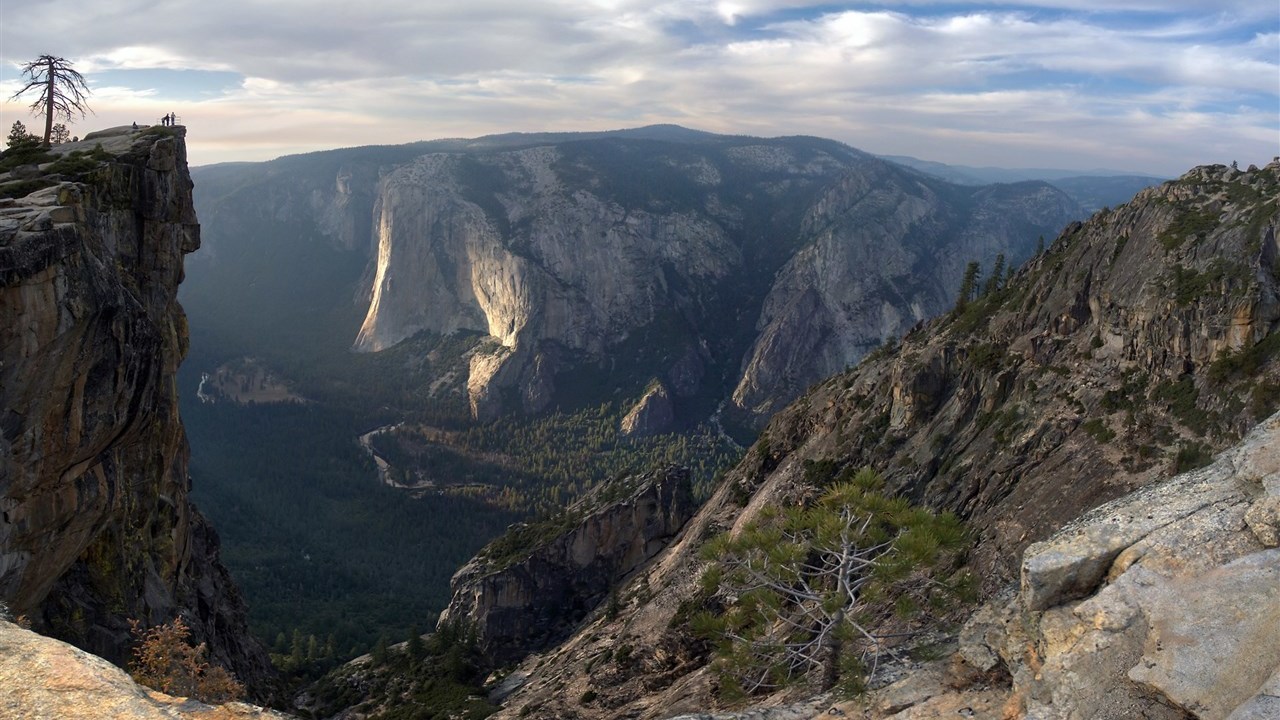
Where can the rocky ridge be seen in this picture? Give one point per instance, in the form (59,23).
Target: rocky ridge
(97,527)
(1139,341)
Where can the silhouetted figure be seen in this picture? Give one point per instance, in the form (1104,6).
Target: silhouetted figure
(135,126)
(165,121)
(173,119)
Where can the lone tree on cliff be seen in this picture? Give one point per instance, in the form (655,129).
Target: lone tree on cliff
(807,588)
(62,90)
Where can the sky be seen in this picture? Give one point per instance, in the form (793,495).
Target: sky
(1152,86)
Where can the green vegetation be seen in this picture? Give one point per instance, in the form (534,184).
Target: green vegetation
(1263,400)
(986,356)
(78,162)
(1192,456)
(811,586)
(438,679)
(1190,285)
(314,541)
(1133,386)
(1098,430)
(28,153)
(1191,222)
(1182,398)
(968,286)
(1245,363)
(23,188)
(516,543)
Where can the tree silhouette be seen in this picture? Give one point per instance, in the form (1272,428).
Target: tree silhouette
(19,137)
(62,90)
(968,285)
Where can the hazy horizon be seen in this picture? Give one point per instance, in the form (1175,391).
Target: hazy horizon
(1144,86)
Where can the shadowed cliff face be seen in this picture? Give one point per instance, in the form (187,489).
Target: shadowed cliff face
(531,587)
(96,526)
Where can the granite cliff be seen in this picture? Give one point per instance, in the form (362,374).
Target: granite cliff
(572,251)
(97,527)
(1136,345)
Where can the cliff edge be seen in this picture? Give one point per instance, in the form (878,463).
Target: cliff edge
(96,527)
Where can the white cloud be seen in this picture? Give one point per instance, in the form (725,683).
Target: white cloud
(1034,82)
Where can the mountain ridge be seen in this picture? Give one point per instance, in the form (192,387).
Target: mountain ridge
(496,257)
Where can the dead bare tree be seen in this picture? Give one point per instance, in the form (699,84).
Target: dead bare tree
(62,90)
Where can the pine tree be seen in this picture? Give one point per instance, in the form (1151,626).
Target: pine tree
(968,285)
(808,586)
(416,649)
(997,275)
(379,654)
(297,652)
(19,137)
(60,134)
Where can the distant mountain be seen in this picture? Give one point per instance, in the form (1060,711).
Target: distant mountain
(730,268)
(1092,189)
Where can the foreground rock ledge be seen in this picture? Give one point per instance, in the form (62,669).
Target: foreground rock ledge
(46,679)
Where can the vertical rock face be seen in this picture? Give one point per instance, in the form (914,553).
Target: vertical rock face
(529,588)
(580,245)
(96,526)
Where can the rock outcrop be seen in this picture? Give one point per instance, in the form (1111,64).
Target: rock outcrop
(529,588)
(45,679)
(1161,605)
(1141,341)
(96,526)
(651,415)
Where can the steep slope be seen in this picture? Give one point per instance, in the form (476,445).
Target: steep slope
(1137,343)
(96,526)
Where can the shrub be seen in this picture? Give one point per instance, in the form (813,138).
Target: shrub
(165,660)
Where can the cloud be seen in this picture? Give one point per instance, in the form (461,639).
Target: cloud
(1155,85)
